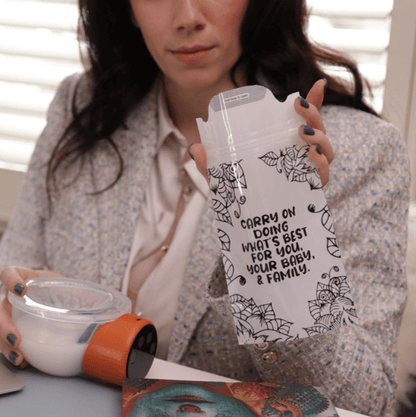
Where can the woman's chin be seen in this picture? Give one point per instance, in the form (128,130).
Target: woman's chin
(203,81)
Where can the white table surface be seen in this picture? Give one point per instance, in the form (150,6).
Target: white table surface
(46,395)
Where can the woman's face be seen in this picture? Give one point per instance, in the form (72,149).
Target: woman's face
(186,400)
(195,43)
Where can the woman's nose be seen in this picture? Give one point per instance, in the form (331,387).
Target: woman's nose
(189,15)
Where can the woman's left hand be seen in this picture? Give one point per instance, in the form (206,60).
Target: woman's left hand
(312,132)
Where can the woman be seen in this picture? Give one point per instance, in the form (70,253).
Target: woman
(114,152)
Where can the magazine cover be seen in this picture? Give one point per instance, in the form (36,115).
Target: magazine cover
(166,398)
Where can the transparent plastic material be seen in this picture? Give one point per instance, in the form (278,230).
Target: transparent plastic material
(284,271)
(57,318)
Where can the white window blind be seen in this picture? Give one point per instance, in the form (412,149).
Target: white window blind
(38,48)
(360,28)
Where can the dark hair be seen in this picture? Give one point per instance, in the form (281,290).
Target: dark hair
(122,71)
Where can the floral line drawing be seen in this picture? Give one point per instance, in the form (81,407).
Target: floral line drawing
(296,165)
(332,308)
(326,220)
(228,265)
(258,323)
(224,180)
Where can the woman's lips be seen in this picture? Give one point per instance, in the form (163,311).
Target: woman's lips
(191,55)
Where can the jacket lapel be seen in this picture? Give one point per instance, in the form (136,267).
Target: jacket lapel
(118,208)
(192,302)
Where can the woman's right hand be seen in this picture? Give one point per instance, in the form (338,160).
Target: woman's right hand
(13,280)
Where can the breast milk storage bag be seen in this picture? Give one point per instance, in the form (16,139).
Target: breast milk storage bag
(283,266)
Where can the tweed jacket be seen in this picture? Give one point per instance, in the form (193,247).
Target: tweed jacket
(89,236)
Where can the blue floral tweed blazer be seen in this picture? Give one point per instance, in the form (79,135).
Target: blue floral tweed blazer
(89,236)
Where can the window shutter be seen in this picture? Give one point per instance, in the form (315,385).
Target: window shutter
(38,48)
(360,28)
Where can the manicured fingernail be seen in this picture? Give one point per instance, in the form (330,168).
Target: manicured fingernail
(326,85)
(307,130)
(13,357)
(11,338)
(318,149)
(303,102)
(18,289)
(189,152)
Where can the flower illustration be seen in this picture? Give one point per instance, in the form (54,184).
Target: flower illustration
(295,164)
(331,308)
(258,323)
(224,180)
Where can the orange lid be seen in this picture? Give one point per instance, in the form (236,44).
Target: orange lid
(121,349)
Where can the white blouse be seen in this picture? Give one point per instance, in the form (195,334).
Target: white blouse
(157,296)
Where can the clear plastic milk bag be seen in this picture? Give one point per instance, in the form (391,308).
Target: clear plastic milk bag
(285,276)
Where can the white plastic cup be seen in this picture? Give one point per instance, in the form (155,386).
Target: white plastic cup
(58,317)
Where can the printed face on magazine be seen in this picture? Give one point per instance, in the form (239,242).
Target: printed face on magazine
(188,400)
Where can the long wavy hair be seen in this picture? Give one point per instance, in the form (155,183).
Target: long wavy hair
(275,47)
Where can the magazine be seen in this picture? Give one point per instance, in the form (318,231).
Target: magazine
(166,398)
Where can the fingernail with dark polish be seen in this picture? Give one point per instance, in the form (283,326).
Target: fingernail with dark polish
(11,338)
(303,102)
(18,289)
(318,149)
(308,130)
(13,357)
(189,152)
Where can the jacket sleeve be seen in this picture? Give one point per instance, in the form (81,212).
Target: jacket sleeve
(23,241)
(368,198)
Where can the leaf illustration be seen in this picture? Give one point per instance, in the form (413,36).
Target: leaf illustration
(224,240)
(228,268)
(314,309)
(226,192)
(327,220)
(304,161)
(332,247)
(320,287)
(291,154)
(347,317)
(314,183)
(315,330)
(221,212)
(242,307)
(283,326)
(288,162)
(299,176)
(303,153)
(340,304)
(270,159)
(215,172)
(213,184)
(235,174)
(243,327)
(238,304)
(339,286)
(265,316)
(326,320)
